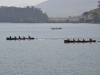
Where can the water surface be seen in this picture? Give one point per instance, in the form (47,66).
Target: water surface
(47,54)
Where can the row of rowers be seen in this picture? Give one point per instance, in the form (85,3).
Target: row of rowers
(81,40)
(19,37)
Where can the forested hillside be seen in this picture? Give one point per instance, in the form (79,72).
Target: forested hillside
(95,14)
(92,16)
(19,14)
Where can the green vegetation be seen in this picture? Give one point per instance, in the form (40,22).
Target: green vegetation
(28,14)
(95,14)
(92,16)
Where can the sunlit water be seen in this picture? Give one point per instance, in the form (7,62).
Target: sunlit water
(48,54)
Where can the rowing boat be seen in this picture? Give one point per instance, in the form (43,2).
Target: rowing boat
(79,41)
(8,38)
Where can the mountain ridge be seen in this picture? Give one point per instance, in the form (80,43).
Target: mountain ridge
(65,8)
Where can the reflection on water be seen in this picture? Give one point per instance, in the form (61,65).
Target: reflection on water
(47,54)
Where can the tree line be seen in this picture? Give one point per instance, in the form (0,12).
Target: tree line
(26,14)
(92,16)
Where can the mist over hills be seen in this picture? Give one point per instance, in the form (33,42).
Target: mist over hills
(65,8)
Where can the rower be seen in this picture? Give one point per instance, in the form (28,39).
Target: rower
(91,40)
(29,37)
(73,40)
(83,40)
(23,37)
(19,37)
(15,37)
(10,37)
(68,40)
(78,40)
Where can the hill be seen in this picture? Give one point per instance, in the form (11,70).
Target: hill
(19,14)
(65,8)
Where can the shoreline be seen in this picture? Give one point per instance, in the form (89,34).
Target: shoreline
(51,22)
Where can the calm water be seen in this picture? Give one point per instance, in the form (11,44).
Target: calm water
(47,54)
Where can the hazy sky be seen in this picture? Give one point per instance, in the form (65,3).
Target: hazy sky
(19,2)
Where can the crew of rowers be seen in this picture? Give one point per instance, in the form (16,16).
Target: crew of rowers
(80,40)
(56,28)
(20,37)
